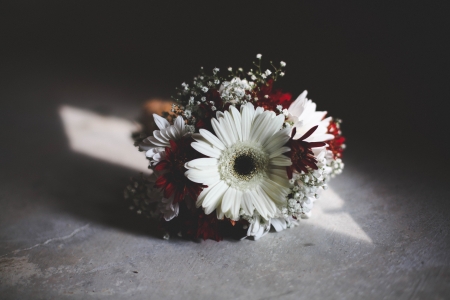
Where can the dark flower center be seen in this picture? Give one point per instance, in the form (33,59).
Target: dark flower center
(244,165)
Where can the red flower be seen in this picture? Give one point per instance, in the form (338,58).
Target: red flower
(336,145)
(173,181)
(301,154)
(208,227)
(269,99)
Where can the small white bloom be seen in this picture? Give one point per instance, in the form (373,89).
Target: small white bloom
(233,91)
(281,74)
(230,69)
(215,70)
(217,81)
(283,64)
(263,76)
(213,108)
(203,99)
(280,107)
(188,113)
(302,113)
(155,145)
(190,128)
(258,56)
(268,72)
(204,89)
(253,77)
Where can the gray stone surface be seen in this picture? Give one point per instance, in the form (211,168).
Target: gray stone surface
(379,232)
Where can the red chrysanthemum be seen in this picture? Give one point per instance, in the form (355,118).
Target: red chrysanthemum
(301,153)
(208,227)
(336,145)
(173,181)
(193,223)
(269,99)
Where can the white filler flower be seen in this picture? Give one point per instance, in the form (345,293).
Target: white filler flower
(155,145)
(246,165)
(302,113)
(234,91)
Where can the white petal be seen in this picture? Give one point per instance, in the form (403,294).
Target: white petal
(259,204)
(246,121)
(203,194)
(214,197)
(268,204)
(320,137)
(206,149)
(236,205)
(228,198)
(157,135)
(259,126)
(156,142)
(279,151)
(207,177)
(277,140)
(237,121)
(276,192)
(160,121)
(202,163)
(278,224)
(231,127)
(281,160)
(280,180)
(221,132)
(296,108)
(212,139)
(219,114)
(247,204)
(275,124)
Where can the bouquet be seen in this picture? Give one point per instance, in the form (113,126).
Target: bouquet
(236,157)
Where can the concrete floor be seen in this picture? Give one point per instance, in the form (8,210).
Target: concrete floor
(379,232)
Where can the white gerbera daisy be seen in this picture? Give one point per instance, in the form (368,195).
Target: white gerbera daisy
(155,145)
(246,165)
(302,113)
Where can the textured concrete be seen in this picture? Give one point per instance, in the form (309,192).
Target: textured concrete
(379,232)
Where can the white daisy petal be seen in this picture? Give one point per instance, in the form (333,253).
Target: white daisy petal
(237,120)
(160,121)
(247,204)
(208,177)
(281,160)
(279,151)
(278,139)
(202,163)
(212,139)
(206,149)
(236,205)
(203,194)
(220,132)
(227,202)
(214,197)
(231,127)
(304,115)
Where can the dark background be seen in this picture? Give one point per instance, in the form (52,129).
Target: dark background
(380,66)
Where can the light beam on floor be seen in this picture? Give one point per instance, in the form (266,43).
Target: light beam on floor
(103,137)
